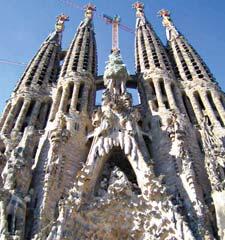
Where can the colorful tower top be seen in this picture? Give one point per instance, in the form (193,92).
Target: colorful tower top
(89,10)
(167,22)
(139,6)
(61,19)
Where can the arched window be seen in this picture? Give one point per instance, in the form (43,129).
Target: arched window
(80,95)
(163,92)
(175,95)
(199,100)
(98,97)
(154,98)
(135,96)
(216,112)
(28,115)
(43,114)
(189,108)
(69,97)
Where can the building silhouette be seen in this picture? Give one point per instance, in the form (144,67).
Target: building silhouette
(71,169)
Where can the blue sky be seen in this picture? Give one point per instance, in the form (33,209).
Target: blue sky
(26,23)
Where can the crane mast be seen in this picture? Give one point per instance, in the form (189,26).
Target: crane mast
(115,22)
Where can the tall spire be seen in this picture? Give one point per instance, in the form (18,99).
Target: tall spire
(189,64)
(46,60)
(32,94)
(149,50)
(171,31)
(81,56)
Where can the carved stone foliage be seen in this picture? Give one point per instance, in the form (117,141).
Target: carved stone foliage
(16,182)
(133,217)
(215,155)
(116,121)
(17,172)
(59,136)
(88,212)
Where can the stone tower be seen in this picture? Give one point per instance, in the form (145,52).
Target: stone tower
(74,170)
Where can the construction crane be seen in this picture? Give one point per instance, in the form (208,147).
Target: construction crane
(4,61)
(115,22)
(100,16)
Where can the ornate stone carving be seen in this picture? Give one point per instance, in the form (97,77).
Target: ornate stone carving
(61,19)
(171,31)
(215,155)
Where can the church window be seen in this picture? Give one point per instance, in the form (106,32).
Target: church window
(199,100)
(69,97)
(218,117)
(189,108)
(80,96)
(163,92)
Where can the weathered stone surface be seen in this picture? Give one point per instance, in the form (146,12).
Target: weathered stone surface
(114,171)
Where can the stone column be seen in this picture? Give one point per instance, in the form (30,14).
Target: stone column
(34,114)
(9,120)
(74,97)
(149,97)
(84,102)
(56,103)
(63,103)
(196,107)
(170,95)
(219,105)
(6,112)
(158,93)
(22,115)
(208,107)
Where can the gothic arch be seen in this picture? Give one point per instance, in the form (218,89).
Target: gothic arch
(116,158)
(95,165)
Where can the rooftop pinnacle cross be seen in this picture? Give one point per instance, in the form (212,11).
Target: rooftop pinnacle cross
(139,6)
(61,19)
(167,22)
(165,14)
(89,9)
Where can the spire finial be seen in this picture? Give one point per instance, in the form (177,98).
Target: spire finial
(89,9)
(139,6)
(167,22)
(165,14)
(61,19)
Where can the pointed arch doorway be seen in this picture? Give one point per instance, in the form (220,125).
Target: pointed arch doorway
(116,160)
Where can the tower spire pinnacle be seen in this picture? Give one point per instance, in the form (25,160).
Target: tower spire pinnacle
(139,6)
(89,10)
(171,31)
(60,23)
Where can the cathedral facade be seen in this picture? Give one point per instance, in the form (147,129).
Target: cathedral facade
(71,170)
